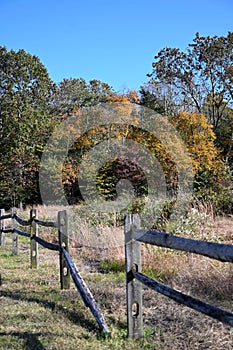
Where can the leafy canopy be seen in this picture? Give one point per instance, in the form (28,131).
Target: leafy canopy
(25,123)
(201,78)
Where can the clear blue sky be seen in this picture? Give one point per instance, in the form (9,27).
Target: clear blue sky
(113,41)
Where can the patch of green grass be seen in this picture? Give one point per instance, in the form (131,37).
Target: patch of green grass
(156,274)
(115,266)
(106,278)
(116,269)
(113,270)
(7,255)
(36,314)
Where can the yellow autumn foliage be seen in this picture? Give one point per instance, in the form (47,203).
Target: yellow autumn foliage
(199,138)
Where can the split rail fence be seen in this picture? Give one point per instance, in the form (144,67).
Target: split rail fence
(67,265)
(135,279)
(134,236)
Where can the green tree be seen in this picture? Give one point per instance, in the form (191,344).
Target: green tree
(203,75)
(25,89)
(160,97)
(75,93)
(224,137)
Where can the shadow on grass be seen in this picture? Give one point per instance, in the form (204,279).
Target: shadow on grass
(31,341)
(71,315)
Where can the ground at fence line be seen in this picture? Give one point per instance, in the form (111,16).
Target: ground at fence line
(35,314)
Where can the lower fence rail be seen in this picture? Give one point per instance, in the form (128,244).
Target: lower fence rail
(184,299)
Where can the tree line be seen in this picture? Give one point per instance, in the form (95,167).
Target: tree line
(193,88)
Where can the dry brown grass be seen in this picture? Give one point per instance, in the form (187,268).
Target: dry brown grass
(168,325)
(175,326)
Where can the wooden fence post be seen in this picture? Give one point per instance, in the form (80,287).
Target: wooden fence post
(2,227)
(33,243)
(15,241)
(63,238)
(133,287)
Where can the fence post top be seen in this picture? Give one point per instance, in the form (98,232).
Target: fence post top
(132,221)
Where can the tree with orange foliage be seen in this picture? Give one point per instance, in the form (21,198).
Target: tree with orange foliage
(131,96)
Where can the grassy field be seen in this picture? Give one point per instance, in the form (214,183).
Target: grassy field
(35,314)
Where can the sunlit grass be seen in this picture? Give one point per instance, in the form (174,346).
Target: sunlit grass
(36,314)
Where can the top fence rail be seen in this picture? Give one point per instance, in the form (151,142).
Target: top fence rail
(218,251)
(28,222)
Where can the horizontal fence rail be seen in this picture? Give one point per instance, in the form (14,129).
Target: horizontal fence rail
(6,216)
(19,232)
(198,305)
(218,251)
(66,262)
(45,244)
(135,279)
(22,222)
(45,223)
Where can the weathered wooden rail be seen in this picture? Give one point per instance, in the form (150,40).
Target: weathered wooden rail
(134,236)
(67,265)
(135,279)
